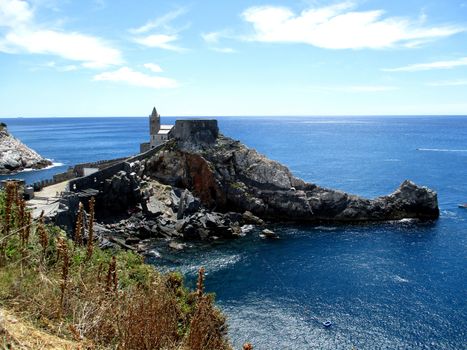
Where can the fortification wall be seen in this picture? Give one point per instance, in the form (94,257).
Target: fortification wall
(75,171)
(196,131)
(94,180)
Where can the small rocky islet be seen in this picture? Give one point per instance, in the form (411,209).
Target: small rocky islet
(16,156)
(201,185)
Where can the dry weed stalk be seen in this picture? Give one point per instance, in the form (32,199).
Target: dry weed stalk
(90,243)
(112,279)
(79,225)
(149,320)
(208,326)
(200,282)
(10,189)
(62,248)
(43,236)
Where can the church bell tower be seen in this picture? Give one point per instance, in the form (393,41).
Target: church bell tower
(154,126)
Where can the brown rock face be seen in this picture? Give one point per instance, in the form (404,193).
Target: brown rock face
(203,182)
(228,176)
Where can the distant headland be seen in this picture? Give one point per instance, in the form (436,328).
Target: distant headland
(16,156)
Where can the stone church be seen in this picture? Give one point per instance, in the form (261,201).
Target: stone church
(158,133)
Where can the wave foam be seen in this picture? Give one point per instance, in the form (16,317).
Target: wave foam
(441,150)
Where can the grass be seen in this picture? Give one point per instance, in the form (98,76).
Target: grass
(76,293)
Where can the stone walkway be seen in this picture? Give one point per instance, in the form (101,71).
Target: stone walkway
(46,199)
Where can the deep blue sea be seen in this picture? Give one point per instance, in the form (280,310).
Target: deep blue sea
(384,286)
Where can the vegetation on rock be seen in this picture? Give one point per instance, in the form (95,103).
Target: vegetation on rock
(77,292)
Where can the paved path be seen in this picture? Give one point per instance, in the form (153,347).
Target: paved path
(46,199)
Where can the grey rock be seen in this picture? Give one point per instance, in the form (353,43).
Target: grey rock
(132,240)
(177,246)
(16,156)
(269,234)
(188,204)
(249,218)
(227,176)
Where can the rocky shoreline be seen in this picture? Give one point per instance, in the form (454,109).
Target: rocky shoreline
(208,187)
(16,156)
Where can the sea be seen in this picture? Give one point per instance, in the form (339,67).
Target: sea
(392,285)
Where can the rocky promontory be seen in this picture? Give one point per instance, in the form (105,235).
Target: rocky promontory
(228,176)
(16,156)
(203,185)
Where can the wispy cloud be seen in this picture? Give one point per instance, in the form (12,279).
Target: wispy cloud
(430,66)
(165,36)
(162,22)
(223,49)
(340,26)
(155,68)
(213,39)
(459,82)
(23,35)
(135,78)
(55,66)
(161,41)
(353,88)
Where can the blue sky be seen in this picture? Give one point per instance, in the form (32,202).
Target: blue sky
(208,58)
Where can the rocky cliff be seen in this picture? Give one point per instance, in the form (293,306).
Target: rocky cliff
(15,156)
(202,185)
(228,176)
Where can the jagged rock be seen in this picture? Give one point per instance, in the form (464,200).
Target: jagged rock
(132,240)
(198,191)
(249,218)
(177,246)
(175,195)
(266,233)
(188,204)
(16,156)
(155,206)
(119,193)
(228,176)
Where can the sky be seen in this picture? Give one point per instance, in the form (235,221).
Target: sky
(232,57)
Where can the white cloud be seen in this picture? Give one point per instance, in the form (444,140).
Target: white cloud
(354,88)
(54,65)
(155,68)
(339,26)
(213,37)
(160,22)
(460,82)
(131,77)
(223,49)
(24,35)
(92,51)
(14,13)
(161,41)
(431,65)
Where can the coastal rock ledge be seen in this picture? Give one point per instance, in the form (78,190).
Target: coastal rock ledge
(16,156)
(228,176)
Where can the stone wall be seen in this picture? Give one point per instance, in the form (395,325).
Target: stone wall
(196,131)
(75,171)
(94,180)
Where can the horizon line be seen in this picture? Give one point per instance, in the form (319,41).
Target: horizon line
(242,116)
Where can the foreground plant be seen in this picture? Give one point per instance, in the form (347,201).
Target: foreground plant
(100,299)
